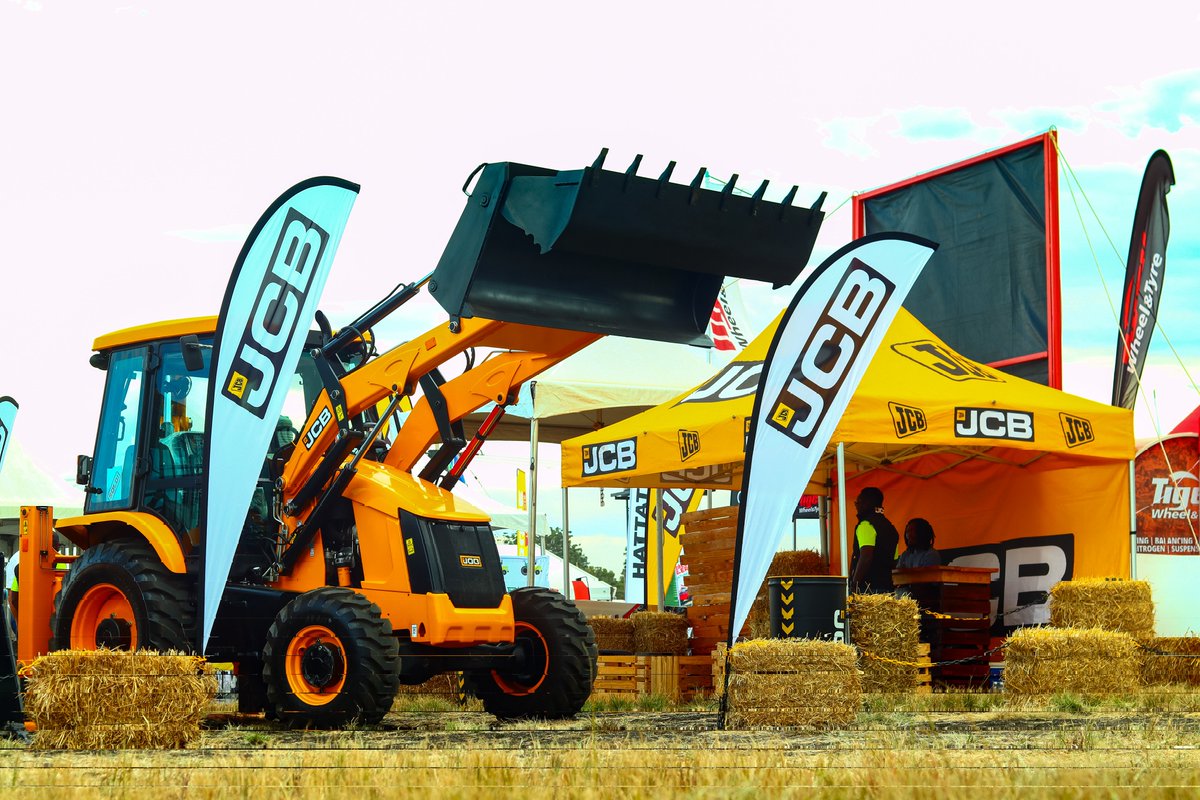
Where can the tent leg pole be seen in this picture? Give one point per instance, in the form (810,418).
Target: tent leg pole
(566,551)
(658,548)
(532,490)
(1132,525)
(841,479)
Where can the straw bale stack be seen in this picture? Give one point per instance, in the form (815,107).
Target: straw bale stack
(614,635)
(786,683)
(1111,605)
(1165,669)
(1083,660)
(785,564)
(660,632)
(886,627)
(115,699)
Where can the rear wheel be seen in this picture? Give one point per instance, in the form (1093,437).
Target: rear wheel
(555,664)
(330,658)
(118,595)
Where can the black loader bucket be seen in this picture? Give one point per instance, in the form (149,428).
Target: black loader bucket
(613,252)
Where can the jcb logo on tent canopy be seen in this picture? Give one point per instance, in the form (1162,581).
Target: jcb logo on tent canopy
(606,457)
(1076,430)
(944,362)
(830,352)
(737,379)
(260,353)
(993,423)
(907,420)
(689,444)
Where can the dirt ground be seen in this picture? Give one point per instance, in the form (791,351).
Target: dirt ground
(1000,730)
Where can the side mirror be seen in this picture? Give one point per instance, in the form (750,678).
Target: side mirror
(193,352)
(83,470)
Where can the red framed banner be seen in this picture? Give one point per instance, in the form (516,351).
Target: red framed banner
(992,289)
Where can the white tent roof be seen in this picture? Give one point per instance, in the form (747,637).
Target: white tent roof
(606,382)
(503,516)
(23,483)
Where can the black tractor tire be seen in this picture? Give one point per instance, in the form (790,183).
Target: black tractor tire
(119,595)
(559,666)
(330,659)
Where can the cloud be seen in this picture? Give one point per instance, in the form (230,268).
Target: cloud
(220,233)
(849,135)
(924,122)
(1169,103)
(1030,121)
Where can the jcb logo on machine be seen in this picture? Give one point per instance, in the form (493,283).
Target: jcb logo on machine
(318,427)
(993,423)
(1076,430)
(607,457)
(830,352)
(737,379)
(470,561)
(689,444)
(276,313)
(907,420)
(945,362)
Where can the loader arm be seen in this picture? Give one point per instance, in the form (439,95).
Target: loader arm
(528,350)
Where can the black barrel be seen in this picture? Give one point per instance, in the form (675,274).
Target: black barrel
(808,607)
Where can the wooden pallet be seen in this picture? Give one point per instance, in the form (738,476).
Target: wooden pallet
(678,678)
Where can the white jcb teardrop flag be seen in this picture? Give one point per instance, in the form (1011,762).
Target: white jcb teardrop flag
(8,416)
(821,349)
(268,309)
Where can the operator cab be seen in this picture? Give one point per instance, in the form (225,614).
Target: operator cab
(150,443)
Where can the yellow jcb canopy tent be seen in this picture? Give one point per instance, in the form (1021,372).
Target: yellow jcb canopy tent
(919,397)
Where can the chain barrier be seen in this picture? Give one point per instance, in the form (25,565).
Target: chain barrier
(1154,651)
(924,664)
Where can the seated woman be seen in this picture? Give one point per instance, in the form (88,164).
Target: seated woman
(918,538)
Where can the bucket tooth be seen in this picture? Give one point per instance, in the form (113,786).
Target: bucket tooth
(757,198)
(695,186)
(728,190)
(632,171)
(664,178)
(820,200)
(598,164)
(787,201)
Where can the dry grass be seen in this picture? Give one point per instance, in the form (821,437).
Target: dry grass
(920,757)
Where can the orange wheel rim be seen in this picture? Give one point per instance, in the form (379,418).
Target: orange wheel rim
(511,685)
(316,665)
(104,618)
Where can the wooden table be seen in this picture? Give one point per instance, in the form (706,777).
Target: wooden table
(965,595)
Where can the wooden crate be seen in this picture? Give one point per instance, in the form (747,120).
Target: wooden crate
(616,675)
(679,678)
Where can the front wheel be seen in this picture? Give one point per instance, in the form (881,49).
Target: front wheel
(330,659)
(118,595)
(554,661)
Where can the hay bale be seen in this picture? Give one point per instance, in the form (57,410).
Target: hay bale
(1108,604)
(886,627)
(787,683)
(785,564)
(1181,666)
(660,632)
(1087,661)
(614,635)
(115,699)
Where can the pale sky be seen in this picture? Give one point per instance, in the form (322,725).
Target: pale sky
(142,140)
